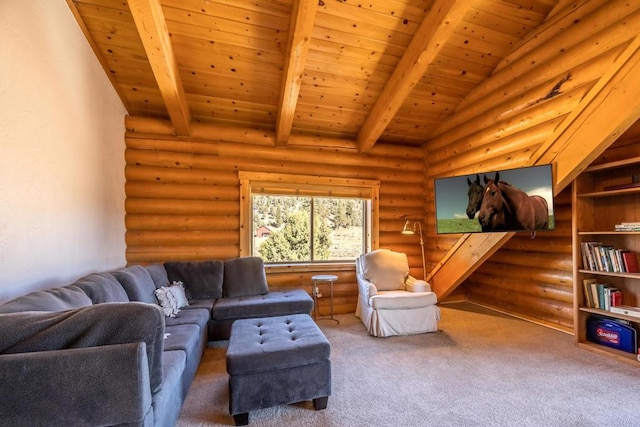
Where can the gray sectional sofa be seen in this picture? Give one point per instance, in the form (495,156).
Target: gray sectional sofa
(101,351)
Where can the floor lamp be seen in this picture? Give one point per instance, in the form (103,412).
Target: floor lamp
(413,230)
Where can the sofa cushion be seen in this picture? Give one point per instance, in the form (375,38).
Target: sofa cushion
(275,303)
(201,279)
(181,337)
(197,316)
(397,300)
(137,283)
(158,274)
(102,287)
(167,401)
(57,299)
(244,276)
(206,304)
(96,325)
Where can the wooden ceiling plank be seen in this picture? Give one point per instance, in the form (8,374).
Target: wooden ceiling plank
(96,50)
(224,17)
(432,35)
(277,9)
(152,27)
(331,35)
(326,22)
(381,13)
(302,22)
(258,40)
(370,21)
(205,51)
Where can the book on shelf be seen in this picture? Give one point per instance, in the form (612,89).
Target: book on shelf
(603,295)
(600,295)
(630,262)
(616,298)
(627,226)
(599,257)
(589,255)
(594,293)
(612,297)
(588,295)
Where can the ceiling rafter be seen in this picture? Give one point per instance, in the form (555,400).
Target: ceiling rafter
(303,17)
(152,27)
(425,45)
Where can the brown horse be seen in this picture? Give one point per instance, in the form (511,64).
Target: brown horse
(476,190)
(505,207)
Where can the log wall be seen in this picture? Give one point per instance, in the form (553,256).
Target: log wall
(531,278)
(503,122)
(183,198)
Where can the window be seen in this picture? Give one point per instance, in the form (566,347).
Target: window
(277,211)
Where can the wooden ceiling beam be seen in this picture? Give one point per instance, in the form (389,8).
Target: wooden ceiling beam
(425,45)
(303,17)
(152,27)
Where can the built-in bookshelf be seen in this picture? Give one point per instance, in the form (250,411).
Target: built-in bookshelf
(605,196)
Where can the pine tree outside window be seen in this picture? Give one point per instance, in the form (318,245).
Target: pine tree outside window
(277,211)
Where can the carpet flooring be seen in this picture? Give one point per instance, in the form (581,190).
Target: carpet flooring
(481,368)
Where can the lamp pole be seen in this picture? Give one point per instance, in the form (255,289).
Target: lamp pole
(417,227)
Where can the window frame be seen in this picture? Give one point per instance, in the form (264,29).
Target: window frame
(305,185)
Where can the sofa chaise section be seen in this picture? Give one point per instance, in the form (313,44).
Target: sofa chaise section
(90,356)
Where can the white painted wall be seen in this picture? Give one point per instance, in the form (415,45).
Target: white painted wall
(61,152)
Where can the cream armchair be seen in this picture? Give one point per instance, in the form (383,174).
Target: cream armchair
(390,301)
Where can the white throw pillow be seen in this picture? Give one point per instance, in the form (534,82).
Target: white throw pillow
(167,301)
(177,289)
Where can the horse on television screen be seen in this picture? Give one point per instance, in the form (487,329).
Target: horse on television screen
(505,207)
(475,193)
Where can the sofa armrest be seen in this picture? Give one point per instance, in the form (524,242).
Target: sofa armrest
(415,285)
(87,327)
(366,289)
(107,385)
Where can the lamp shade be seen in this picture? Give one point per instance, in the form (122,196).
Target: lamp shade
(407,228)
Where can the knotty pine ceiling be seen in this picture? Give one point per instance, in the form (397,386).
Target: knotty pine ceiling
(355,70)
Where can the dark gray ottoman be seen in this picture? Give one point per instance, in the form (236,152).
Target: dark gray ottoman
(277,361)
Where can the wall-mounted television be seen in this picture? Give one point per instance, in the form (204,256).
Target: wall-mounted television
(519,199)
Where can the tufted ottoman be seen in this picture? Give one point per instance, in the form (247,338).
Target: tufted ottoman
(276,361)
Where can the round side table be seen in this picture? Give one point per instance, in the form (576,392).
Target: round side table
(331,278)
